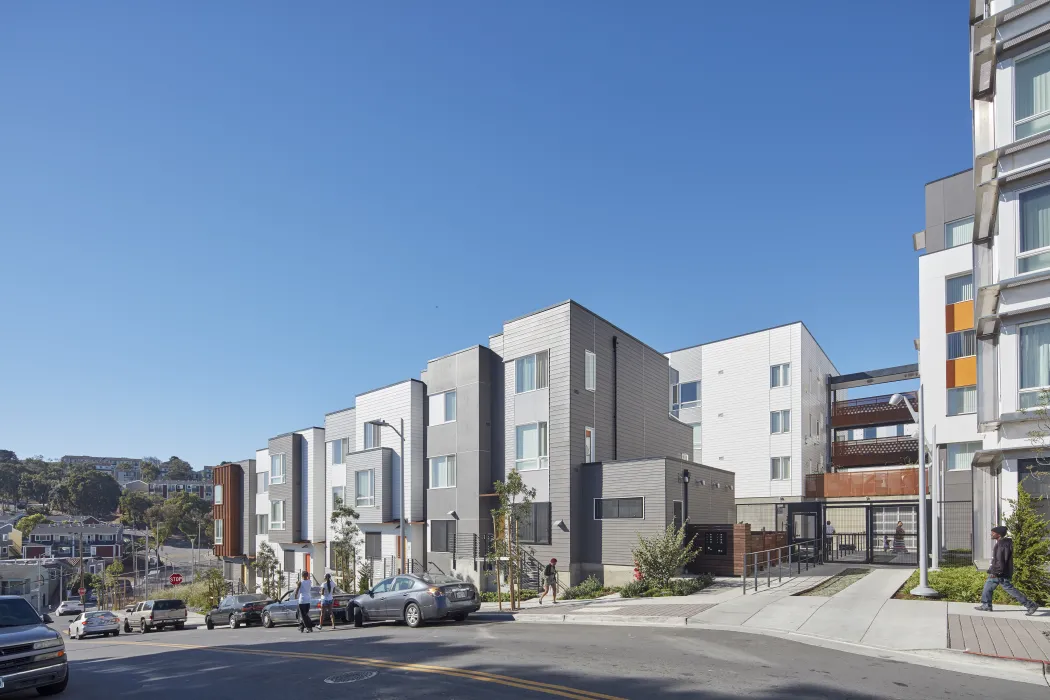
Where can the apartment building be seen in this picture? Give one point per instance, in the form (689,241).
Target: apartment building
(70,539)
(166,489)
(1010,63)
(233,522)
(123,469)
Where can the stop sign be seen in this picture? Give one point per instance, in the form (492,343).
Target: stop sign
(175,579)
(82,591)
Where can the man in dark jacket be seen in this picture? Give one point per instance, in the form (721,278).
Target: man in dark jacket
(1000,572)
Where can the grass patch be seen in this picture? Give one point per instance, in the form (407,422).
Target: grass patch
(959,584)
(839,582)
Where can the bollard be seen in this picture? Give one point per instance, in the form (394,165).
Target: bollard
(769,572)
(780,566)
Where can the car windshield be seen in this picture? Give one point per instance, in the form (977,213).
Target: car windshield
(16,612)
(249,598)
(439,579)
(168,605)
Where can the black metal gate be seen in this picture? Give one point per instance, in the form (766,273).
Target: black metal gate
(871,533)
(846,529)
(803,526)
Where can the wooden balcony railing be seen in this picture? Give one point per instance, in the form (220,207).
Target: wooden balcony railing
(872,411)
(877,452)
(888,482)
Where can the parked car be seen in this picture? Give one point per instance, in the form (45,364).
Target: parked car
(69,607)
(237,610)
(156,614)
(286,610)
(101,622)
(34,655)
(416,599)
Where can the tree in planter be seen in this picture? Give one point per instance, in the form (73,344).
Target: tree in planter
(344,542)
(500,549)
(515,506)
(662,556)
(214,586)
(1029,531)
(267,568)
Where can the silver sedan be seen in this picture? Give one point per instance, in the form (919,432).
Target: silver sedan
(100,622)
(415,599)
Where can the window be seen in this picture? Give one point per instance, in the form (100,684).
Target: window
(277,469)
(373,435)
(442,535)
(1032,99)
(442,474)
(337,450)
(958,289)
(697,437)
(365,487)
(262,482)
(588,445)
(442,408)
(276,515)
(535,526)
(373,545)
(958,232)
(530,373)
(1034,251)
(780,421)
(780,375)
(685,395)
(613,508)
(591,371)
(262,524)
(960,455)
(1035,362)
(780,468)
(218,494)
(962,344)
(531,447)
(962,400)
(337,497)
(218,532)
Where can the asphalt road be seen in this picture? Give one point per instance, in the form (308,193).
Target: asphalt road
(486,660)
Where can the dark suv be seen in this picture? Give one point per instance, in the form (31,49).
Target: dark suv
(32,655)
(237,610)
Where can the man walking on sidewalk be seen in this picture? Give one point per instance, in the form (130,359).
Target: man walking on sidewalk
(1000,572)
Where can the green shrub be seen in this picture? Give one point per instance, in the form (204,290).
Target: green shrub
(523,594)
(590,588)
(689,586)
(634,589)
(1029,531)
(960,584)
(662,556)
(681,586)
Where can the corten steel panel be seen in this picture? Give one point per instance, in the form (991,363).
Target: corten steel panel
(958,317)
(876,453)
(871,411)
(961,372)
(230,511)
(890,482)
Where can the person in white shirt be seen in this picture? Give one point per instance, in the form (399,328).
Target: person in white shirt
(829,539)
(327,598)
(304,595)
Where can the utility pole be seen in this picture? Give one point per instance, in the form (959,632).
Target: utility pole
(82,603)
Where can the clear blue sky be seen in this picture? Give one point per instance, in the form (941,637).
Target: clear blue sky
(219,221)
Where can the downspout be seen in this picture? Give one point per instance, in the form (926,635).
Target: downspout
(615,402)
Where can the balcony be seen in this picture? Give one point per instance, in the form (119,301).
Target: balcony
(872,411)
(878,452)
(890,482)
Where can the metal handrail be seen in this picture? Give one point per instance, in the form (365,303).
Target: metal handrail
(807,552)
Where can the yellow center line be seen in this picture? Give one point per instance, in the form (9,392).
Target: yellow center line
(483,676)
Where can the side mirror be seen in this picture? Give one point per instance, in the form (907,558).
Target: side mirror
(47,619)
(371,594)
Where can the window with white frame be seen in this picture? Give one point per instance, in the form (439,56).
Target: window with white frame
(780,421)
(1035,363)
(1032,95)
(960,455)
(218,494)
(365,488)
(530,373)
(780,375)
(780,468)
(698,434)
(262,524)
(337,497)
(277,469)
(262,482)
(588,445)
(276,515)
(958,232)
(373,435)
(590,371)
(1034,242)
(530,445)
(962,344)
(442,408)
(443,472)
(218,531)
(962,400)
(685,395)
(958,289)
(337,450)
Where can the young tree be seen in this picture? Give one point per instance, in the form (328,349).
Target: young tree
(499,552)
(515,507)
(344,542)
(214,585)
(662,556)
(267,569)
(111,580)
(1030,531)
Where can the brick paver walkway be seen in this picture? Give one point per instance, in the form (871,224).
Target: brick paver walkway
(619,608)
(1003,637)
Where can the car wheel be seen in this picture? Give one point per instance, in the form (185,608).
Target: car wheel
(142,627)
(413,615)
(180,625)
(116,633)
(359,617)
(208,623)
(54,688)
(459,617)
(267,622)
(234,624)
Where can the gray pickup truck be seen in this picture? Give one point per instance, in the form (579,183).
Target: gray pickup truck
(152,615)
(32,655)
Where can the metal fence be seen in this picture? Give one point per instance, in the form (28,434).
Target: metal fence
(780,563)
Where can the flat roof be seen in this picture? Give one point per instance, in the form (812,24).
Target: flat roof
(949,177)
(576,303)
(760,330)
(874,376)
(341,410)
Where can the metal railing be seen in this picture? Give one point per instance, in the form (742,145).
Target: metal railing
(780,562)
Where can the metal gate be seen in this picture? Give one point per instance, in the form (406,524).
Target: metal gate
(871,533)
(895,534)
(846,529)
(804,531)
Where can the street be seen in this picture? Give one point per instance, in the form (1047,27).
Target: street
(480,659)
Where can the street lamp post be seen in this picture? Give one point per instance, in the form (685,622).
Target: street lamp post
(923,589)
(401,434)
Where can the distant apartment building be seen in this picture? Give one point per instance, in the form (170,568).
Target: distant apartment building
(70,539)
(123,469)
(166,489)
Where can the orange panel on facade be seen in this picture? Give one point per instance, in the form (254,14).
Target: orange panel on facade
(961,372)
(958,317)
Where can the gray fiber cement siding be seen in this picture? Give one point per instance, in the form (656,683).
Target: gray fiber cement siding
(291,446)
(948,199)
(380,459)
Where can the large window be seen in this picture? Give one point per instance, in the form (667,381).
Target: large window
(442,535)
(1032,99)
(277,469)
(373,435)
(530,373)
(962,344)
(1035,362)
(337,496)
(958,232)
(958,289)
(218,531)
(262,482)
(780,421)
(697,437)
(442,473)
(1034,250)
(535,526)
(615,508)
(337,450)
(442,408)
(685,395)
(590,371)
(780,375)
(780,468)
(373,545)
(530,447)
(960,455)
(962,400)
(276,515)
(262,524)
(218,494)
(365,488)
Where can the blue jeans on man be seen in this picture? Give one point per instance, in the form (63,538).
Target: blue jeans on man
(993,582)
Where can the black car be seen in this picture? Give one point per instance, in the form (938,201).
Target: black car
(237,610)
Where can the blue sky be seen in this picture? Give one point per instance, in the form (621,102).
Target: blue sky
(219,221)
